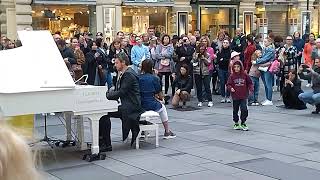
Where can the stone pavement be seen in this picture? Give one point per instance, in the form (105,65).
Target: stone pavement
(281,144)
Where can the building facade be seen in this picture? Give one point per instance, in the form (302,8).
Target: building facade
(283,17)
(108,16)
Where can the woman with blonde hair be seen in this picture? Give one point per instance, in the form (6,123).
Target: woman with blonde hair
(16,162)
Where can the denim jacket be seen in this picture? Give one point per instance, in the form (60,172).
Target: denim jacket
(267,56)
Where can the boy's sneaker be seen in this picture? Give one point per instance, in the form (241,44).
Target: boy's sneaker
(228,100)
(244,127)
(210,104)
(200,104)
(257,104)
(223,100)
(236,126)
(169,135)
(308,85)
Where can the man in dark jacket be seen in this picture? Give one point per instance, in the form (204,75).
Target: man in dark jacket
(127,92)
(66,53)
(238,43)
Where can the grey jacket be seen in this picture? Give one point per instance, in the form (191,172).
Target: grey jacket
(315,79)
(201,64)
(164,52)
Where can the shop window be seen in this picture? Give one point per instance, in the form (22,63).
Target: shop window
(305,22)
(293,25)
(263,27)
(248,22)
(182,23)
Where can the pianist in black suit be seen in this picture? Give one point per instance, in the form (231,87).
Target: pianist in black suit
(128,93)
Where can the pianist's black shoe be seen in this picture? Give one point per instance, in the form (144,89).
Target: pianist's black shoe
(104,148)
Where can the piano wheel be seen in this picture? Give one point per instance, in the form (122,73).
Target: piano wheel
(73,143)
(65,144)
(102,156)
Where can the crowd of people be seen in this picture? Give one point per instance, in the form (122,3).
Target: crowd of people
(230,67)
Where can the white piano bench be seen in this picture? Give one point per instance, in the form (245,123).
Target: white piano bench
(150,126)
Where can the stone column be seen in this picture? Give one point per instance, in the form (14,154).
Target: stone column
(180,6)
(250,7)
(4,5)
(92,20)
(23,14)
(109,17)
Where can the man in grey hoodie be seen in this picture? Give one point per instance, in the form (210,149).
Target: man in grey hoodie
(312,97)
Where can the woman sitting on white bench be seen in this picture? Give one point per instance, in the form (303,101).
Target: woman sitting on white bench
(150,88)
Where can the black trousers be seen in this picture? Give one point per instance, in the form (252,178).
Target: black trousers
(105,127)
(242,104)
(291,100)
(167,77)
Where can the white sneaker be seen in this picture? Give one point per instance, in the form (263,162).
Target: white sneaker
(267,103)
(308,85)
(223,100)
(264,101)
(200,104)
(228,100)
(210,104)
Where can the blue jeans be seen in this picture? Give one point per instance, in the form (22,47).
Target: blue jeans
(310,97)
(255,94)
(267,79)
(223,76)
(108,79)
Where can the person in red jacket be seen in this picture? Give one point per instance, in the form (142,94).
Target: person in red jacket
(240,86)
(250,49)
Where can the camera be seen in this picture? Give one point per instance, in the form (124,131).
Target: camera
(286,76)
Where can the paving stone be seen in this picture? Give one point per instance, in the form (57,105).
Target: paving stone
(246,175)
(185,127)
(219,154)
(160,165)
(222,168)
(236,147)
(146,176)
(203,175)
(48,176)
(179,143)
(314,145)
(119,167)
(187,158)
(86,172)
(281,157)
(313,156)
(277,169)
(61,158)
(309,164)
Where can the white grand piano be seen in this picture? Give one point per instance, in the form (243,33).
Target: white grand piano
(34,79)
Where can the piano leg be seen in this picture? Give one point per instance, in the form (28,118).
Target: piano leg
(80,133)
(68,117)
(95,153)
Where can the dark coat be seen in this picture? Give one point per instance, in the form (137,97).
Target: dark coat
(184,84)
(90,67)
(68,53)
(186,52)
(290,96)
(127,89)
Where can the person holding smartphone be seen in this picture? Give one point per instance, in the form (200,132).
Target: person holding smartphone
(311,97)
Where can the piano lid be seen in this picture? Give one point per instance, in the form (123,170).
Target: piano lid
(36,66)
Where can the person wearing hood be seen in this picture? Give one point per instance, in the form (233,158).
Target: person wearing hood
(240,86)
(313,97)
